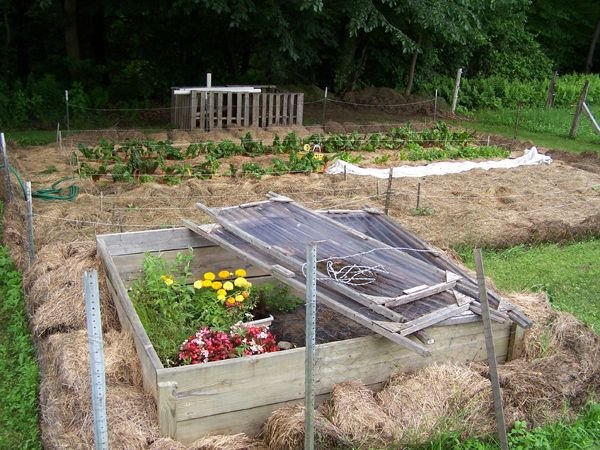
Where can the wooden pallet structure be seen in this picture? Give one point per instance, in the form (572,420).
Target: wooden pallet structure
(379,285)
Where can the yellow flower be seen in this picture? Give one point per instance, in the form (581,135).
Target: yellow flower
(240,273)
(239,298)
(224,274)
(307,147)
(240,282)
(228,286)
(245,294)
(231,301)
(216,285)
(168,279)
(198,284)
(209,276)
(221,297)
(222,292)
(248,285)
(206,283)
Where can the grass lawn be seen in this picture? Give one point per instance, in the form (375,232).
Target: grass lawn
(546,128)
(569,274)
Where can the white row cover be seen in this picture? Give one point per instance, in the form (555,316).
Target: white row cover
(529,158)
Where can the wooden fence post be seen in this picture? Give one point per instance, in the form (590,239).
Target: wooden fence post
(579,108)
(491,353)
(388,193)
(456,88)
(550,99)
(6,169)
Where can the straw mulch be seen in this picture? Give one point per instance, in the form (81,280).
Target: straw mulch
(444,397)
(54,285)
(358,416)
(284,430)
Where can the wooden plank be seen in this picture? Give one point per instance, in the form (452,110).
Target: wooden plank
(292,106)
(238,110)
(224,386)
(432,318)
(515,342)
(284,114)
(300,110)
(167,409)
(277,116)
(193,110)
(210,105)
(264,123)
(219,110)
(255,113)
(431,290)
(229,109)
(152,240)
(249,421)
(272,110)
(246,122)
(495,315)
(202,114)
(130,321)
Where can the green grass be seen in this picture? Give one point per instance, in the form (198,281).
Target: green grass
(569,274)
(546,128)
(584,433)
(26,138)
(19,378)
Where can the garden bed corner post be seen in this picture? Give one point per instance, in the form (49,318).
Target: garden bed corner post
(167,409)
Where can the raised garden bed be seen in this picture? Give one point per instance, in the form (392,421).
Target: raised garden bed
(237,395)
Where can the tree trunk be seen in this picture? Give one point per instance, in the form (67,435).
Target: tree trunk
(413,65)
(71,35)
(593,42)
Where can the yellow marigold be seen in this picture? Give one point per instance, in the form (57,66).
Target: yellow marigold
(246,294)
(222,292)
(239,298)
(240,273)
(240,282)
(248,285)
(198,284)
(216,285)
(307,147)
(228,286)
(209,276)
(206,283)
(223,274)
(167,279)
(221,297)
(231,301)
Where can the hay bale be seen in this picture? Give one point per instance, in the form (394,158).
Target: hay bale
(444,397)
(56,295)
(284,429)
(226,442)
(354,411)
(69,353)
(537,307)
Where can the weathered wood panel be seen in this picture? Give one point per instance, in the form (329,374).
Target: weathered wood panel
(229,109)
(210,106)
(224,386)
(202,114)
(153,240)
(219,110)
(193,110)
(255,113)
(300,109)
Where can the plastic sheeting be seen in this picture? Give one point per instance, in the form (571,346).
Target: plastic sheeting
(530,157)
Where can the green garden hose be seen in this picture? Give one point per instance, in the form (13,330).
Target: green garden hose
(68,193)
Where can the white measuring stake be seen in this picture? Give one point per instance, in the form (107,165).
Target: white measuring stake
(96,358)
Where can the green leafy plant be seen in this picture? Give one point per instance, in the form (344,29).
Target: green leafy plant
(274,298)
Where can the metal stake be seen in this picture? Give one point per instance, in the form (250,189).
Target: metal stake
(311,327)
(435,101)
(96,358)
(67,107)
(29,205)
(491,353)
(418,195)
